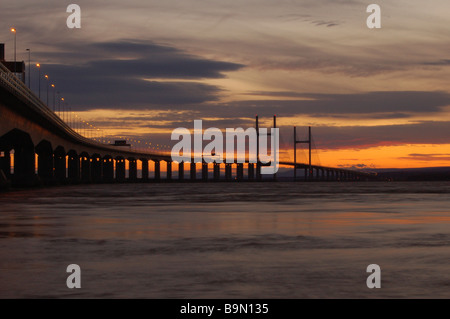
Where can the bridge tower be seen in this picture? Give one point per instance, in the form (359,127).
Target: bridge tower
(308,174)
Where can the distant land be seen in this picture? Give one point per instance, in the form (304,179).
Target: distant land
(415,174)
(395,174)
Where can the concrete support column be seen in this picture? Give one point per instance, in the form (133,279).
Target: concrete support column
(132,169)
(251,171)
(96,169)
(74,168)
(108,170)
(258,171)
(181,171)
(24,170)
(85,169)
(144,169)
(120,170)
(45,166)
(240,171)
(193,171)
(5,164)
(157,170)
(228,171)
(169,171)
(216,171)
(205,171)
(60,167)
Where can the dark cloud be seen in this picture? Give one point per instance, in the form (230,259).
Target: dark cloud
(118,81)
(443,62)
(370,105)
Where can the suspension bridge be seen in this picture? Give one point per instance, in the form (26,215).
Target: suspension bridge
(40,146)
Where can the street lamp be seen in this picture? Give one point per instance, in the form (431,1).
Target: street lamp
(29,68)
(62,100)
(53,86)
(13,30)
(59,103)
(46,76)
(39,79)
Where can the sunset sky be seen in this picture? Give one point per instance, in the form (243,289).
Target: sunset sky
(375,97)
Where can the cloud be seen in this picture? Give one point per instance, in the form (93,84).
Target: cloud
(387,104)
(357,137)
(443,62)
(122,80)
(427,157)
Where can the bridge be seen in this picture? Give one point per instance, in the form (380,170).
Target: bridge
(44,150)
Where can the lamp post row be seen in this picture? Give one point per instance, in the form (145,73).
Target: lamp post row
(56,94)
(38,65)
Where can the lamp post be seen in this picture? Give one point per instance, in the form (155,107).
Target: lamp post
(29,68)
(13,30)
(62,100)
(39,79)
(46,76)
(59,103)
(53,86)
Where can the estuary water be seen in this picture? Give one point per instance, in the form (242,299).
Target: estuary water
(227,240)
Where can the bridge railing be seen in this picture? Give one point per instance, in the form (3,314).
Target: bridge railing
(22,92)
(14,85)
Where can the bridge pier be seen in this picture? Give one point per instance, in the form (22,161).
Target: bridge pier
(204,171)
(169,170)
(216,171)
(96,168)
(59,159)
(85,168)
(193,170)
(181,171)
(5,164)
(132,169)
(157,170)
(73,165)
(24,171)
(228,171)
(251,171)
(258,171)
(120,169)
(108,169)
(240,171)
(145,169)
(45,161)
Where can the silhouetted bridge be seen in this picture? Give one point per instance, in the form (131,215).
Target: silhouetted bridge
(46,150)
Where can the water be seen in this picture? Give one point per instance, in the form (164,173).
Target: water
(227,240)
